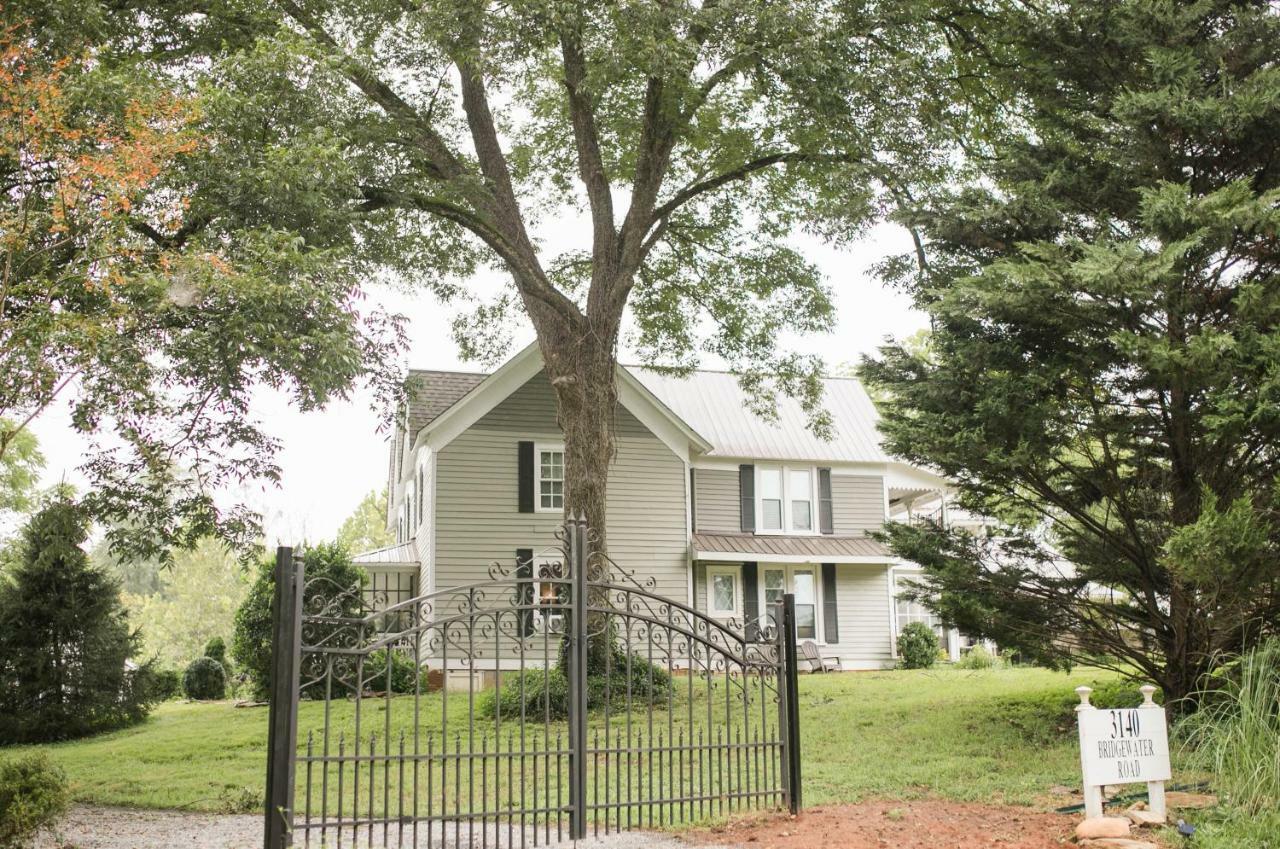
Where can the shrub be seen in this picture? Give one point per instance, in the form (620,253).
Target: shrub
(204,679)
(402,672)
(251,641)
(917,646)
(33,796)
(216,649)
(1236,733)
(546,692)
(168,684)
(978,658)
(66,648)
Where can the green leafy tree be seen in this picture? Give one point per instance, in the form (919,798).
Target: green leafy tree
(332,580)
(366,528)
(196,601)
(115,297)
(1103,372)
(20,466)
(671,148)
(67,651)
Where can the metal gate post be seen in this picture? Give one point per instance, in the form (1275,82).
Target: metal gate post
(578,680)
(789,703)
(282,729)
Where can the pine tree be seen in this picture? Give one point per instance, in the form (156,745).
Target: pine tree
(67,652)
(1103,373)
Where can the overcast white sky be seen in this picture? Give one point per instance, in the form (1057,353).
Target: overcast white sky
(331,459)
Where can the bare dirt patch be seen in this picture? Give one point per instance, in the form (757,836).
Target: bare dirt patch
(925,824)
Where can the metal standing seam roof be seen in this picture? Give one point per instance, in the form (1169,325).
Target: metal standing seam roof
(393,555)
(714,405)
(788,546)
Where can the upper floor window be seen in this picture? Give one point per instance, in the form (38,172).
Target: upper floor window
(550,477)
(785,500)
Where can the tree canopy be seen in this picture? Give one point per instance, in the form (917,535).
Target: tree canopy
(366,528)
(1103,373)
(116,296)
(634,170)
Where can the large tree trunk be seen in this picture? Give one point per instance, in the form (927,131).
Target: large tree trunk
(581,367)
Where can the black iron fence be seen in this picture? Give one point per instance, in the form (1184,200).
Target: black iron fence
(536,706)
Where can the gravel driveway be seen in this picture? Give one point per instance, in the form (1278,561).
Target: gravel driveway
(93,827)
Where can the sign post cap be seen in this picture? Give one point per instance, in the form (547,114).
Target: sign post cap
(1148,691)
(1083,692)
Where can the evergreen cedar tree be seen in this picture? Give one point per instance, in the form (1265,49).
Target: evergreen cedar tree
(69,661)
(116,297)
(427,140)
(1103,373)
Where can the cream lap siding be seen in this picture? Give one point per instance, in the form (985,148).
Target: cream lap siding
(715,499)
(862,604)
(476,515)
(422,537)
(857,503)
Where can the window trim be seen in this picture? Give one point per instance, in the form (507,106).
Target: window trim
(789,586)
(538,448)
(937,626)
(785,471)
(734,572)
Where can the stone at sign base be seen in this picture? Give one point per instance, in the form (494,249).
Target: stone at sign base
(1176,799)
(1141,816)
(1098,827)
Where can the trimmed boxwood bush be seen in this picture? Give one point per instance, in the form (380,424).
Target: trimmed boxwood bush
(917,646)
(204,679)
(168,684)
(33,796)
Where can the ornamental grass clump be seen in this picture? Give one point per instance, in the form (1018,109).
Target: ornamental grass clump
(1235,735)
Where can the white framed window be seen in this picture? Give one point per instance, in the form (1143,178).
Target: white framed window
(907,610)
(776,580)
(785,499)
(724,594)
(548,593)
(549,469)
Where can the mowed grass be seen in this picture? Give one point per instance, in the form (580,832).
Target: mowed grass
(998,735)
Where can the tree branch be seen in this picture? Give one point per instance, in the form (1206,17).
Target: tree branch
(590,163)
(444,164)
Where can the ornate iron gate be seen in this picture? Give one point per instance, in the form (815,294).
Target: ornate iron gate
(559,698)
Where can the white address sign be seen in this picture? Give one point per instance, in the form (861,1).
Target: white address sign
(1123,746)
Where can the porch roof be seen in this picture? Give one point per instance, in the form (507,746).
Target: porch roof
(817,549)
(390,557)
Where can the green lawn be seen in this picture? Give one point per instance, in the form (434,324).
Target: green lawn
(962,735)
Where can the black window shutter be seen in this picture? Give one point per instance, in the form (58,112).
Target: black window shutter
(830,618)
(420,494)
(747,497)
(750,603)
(826,516)
(524,589)
(700,583)
(526,477)
(693,502)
